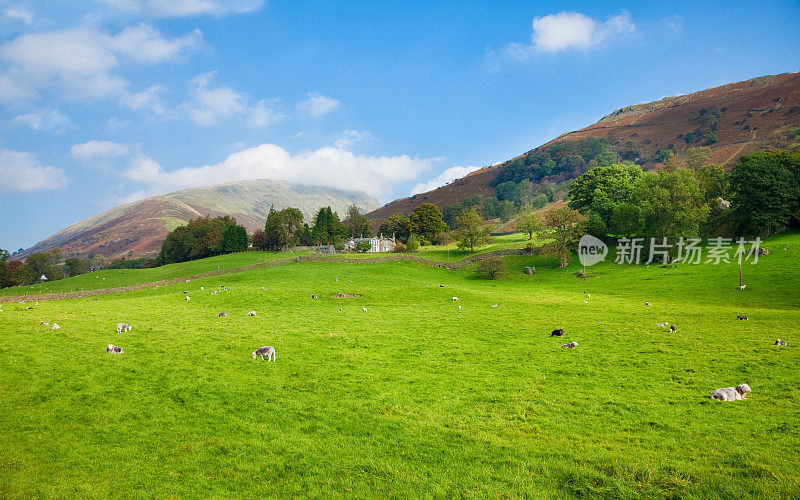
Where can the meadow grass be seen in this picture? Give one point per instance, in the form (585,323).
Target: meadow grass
(414,397)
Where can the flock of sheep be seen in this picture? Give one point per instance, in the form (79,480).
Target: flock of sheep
(268,352)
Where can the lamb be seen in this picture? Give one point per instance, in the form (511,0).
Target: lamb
(741,318)
(267,351)
(251,313)
(558,332)
(742,287)
(112,349)
(663,325)
(223,315)
(459,308)
(123,327)
(571,345)
(673,328)
(56,327)
(493,305)
(455,299)
(364,309)
(731,393)
(780,342)
(648,304)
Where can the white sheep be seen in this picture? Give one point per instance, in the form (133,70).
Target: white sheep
(364,309)
(455,299)
(731,393)
(493,305)
(571,345)
(267,351)
(187,297)
(664,325)
(112,349)
(43,323)
(123,327)
(780,342)
(251,313)
(648,304)
(56,327)
(742,287)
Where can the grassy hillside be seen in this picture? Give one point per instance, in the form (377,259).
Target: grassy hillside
(413,397)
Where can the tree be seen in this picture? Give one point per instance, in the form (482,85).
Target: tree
(564,227)
(766,191)
(426,220)
(529,222)
(283,228)
(491,267)
(601,188)
(697,156)
(357,224)
(397,225)
(627,220)
(327,228)
(672,204)
(363,247)
(412,245)
(471,231)
(74,266)
(4,255)
(260,240)
(714,181)
(234,239)
(42,264)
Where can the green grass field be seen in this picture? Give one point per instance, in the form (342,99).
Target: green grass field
(414,397)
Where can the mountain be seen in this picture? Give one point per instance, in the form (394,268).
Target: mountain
(138,228)
(732,120)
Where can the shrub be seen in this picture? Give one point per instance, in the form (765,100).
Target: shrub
(399,247)
(412,245)
(491,267)
(363,246)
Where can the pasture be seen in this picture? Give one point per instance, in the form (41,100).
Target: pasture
(414,397)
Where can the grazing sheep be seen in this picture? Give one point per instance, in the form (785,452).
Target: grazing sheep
(340,309)
(56,327)
(112,349)
(187,297)
(731,393)
(251,313)
(202,288)
(184,293)
(663,325)
(673,328)
(455,299)
(364,309)
(313,296)
(43,323)
(267,351)
(741,318)
(558,332)
(648,304)
(571,345)
(780,342)
(123,327)
(350,281)
(588,295)
(494,305)
(223,315)
(742,287)
(585,301)
(335,279)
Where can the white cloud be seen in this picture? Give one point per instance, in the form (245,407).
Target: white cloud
(95,150)
(19,172)
(80,64)
(327,166)
(182,8)
(349,137)
(209,105)
(17,14)
(148,99)
(318,105)
(442,179)
(571,30)
(51,121)
(263,114)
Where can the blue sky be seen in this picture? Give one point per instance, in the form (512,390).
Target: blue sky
(108,101)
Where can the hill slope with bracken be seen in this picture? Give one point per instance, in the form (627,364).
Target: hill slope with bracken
(139,228)
(732,120)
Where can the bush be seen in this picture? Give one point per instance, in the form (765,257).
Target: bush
(363,246)
(441,239)
(399,247)
(412,245)
(530,247)
(491,267)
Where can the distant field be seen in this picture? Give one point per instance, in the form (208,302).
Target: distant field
(414,397)
(111,278)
